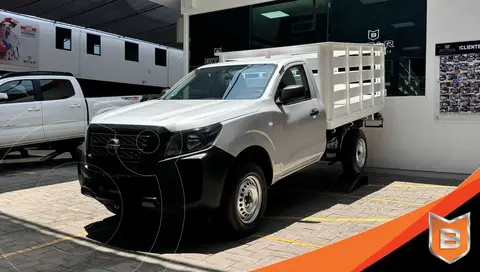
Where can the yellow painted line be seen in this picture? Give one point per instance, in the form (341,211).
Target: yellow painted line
(327,219)
(29,173)
(393,201)
(412,186)
(376,199)
(363,197)
(66,238)
(288,241)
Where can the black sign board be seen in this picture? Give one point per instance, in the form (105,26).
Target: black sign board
(457,48)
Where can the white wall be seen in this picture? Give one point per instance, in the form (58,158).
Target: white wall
(411,137)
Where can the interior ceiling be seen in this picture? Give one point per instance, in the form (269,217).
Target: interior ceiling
(140,19)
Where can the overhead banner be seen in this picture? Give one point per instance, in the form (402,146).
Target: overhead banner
(19,41)
(457,48)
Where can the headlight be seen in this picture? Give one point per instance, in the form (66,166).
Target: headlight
(192,140)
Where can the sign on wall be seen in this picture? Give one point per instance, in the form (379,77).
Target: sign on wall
(18,41)
(374,36)
(214,59)
(459,79)
(444,49)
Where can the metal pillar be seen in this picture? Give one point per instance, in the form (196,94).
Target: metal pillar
(186,43)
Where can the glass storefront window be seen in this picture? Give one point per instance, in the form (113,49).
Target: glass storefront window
(399,24)
(284,23)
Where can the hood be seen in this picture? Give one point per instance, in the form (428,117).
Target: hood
(176,115)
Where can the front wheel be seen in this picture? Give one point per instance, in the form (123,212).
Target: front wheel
(244,201)
(354,152)
(113,209)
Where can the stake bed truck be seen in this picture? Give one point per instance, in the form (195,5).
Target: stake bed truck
(227,131)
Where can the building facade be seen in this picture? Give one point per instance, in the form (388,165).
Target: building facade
(416,135)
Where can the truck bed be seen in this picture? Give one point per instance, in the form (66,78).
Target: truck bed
(350,76)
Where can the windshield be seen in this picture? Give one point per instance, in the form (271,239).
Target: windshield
(225,82)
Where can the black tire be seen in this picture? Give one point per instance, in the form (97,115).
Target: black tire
(349,151)
(232,225)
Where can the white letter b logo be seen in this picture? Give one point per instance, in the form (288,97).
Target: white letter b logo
(449,238)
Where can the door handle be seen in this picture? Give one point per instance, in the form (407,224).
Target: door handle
(33,109)
(314,112)
(75,106)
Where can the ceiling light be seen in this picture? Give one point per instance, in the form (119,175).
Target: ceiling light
(404,24)
(412,48)
(372,1)
(275,14)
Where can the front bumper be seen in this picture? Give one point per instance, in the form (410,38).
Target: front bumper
(190,182)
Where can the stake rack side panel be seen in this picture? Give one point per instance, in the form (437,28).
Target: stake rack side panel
(352,81)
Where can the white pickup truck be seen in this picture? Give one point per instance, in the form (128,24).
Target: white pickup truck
(227,131)
(48,109)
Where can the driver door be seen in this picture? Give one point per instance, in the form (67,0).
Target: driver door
(301,123)
(20,114)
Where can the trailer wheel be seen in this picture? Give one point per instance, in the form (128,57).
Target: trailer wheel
(354,152)
(244,201)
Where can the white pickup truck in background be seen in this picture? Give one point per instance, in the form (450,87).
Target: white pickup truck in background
(48,110)
(227,131)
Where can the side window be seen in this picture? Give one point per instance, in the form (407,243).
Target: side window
(131,51)
(94,44)
(18,91)
(295,75)
(56,89)
(160,57)
(63,38)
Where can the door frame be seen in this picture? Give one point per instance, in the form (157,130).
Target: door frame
(313,96)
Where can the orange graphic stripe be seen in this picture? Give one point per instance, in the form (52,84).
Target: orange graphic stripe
(370,246)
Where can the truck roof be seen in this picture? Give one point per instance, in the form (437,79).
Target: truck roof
(35,73)
(260,60)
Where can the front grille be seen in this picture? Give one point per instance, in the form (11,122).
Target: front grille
(125,150)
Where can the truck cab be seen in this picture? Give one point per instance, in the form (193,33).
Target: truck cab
(227,131)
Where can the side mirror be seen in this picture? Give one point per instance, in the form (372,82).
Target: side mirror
(291,92)
(3,96)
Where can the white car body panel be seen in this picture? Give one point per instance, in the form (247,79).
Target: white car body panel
(36,122)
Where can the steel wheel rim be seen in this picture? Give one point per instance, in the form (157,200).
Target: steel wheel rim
(249,199)
(361,152)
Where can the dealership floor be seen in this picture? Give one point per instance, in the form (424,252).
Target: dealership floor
(47,225)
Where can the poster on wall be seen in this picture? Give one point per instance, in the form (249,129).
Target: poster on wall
(18,41)
(459,79)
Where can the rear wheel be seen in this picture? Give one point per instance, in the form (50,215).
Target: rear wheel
(354,152)
(244,200)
